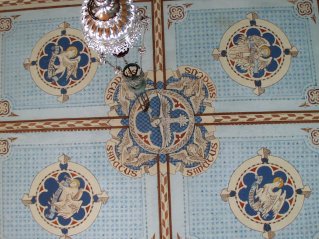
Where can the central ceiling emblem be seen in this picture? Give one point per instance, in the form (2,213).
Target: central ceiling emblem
(170,128)
(166,126)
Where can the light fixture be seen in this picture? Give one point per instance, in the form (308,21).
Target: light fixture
(135,79)
(112,27)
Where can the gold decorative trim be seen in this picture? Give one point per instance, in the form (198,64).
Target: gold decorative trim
(56,125)
(12,5)
(255,118)
(103,123)
(164,199)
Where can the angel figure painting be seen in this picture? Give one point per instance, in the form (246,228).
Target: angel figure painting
(130,155)
(66,200)
(63,64)
(252,53)
(125,97)
(195,152)
(192,88)
(269,199)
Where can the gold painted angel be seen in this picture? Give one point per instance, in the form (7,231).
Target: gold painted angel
(125,97)
(69,201)
(68,63)
(130,155)
(251,53)
(195,152)
(192,89)
(267,199)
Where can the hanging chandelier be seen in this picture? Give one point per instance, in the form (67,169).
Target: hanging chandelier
(112,27)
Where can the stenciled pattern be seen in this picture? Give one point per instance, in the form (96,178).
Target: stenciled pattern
(6,109)
(255,53)
(266,193)
(61,63)
(158,35)
(313,135)
(65,198)
(187,100)
(177,13)
(313,96)
(166,128)
(4,147)
(165,216)
(304,9)
(5,24)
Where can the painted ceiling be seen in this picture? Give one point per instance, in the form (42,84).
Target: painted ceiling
(229,145)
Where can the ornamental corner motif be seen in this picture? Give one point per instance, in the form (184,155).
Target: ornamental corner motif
(6,23)
(313,135)
(5,146)
(6,109)
(312,98)
(304,9)
(142,11)
(177,13)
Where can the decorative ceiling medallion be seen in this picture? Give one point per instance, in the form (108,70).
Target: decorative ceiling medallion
(255,53)
(266,193)
(65,198)
(167,130)
(61,63)
(169,115)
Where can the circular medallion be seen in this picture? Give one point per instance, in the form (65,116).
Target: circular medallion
(158,125)
(61,63)
(52,207)
(255,53)
(266,193)
(65,198)
(166,126)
